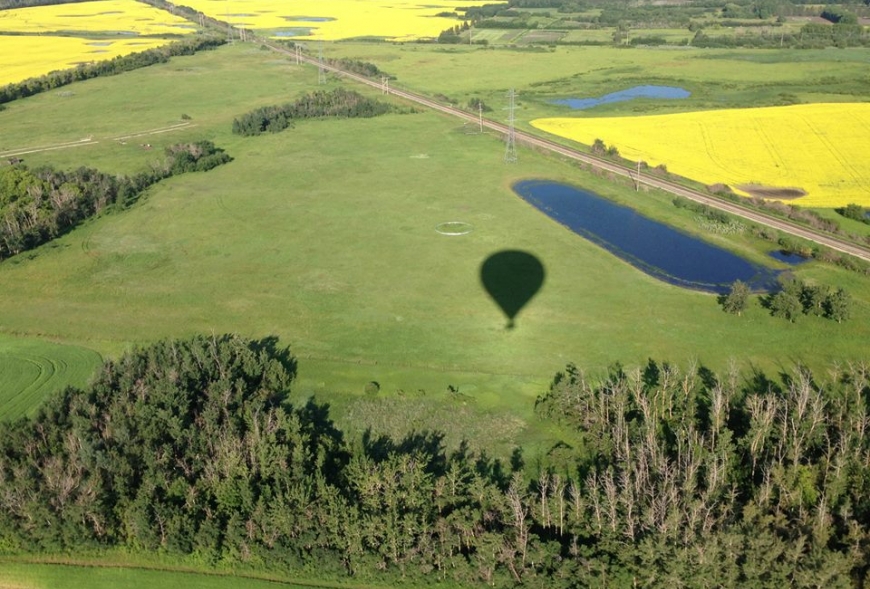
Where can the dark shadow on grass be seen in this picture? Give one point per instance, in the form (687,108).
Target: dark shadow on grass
(512,278)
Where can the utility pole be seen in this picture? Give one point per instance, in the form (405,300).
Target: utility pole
(298,53)
(510,152)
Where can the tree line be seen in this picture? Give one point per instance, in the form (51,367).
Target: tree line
(109,67)
(335,103)
(665,478)
(40,204)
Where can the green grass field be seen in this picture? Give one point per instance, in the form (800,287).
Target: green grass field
(325,236)
(55,576)
(32,368)
(717,78)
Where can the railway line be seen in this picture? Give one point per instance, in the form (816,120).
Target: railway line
(531,140)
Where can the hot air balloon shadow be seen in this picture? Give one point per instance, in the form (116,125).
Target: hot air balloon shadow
(512,278)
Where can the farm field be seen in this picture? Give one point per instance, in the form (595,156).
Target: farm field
(395,20)
(30,369)
(324,235)
(818,149)
(48,38)
(716,78)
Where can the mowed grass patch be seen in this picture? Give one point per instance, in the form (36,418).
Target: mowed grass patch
(325,235)
(30,369)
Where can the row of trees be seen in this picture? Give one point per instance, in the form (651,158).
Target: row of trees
(668,478)
(336,103)
(109,67)
(38,205)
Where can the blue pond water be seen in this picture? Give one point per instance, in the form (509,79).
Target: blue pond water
(788,258)
(668,92)
(657,249)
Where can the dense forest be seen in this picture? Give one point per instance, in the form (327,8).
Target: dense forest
(336,103)
(668,478)
(109,67)
(38,205)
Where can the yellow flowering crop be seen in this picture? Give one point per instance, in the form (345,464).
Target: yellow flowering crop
(26,57)
(820,148)
(115,26)
(398,20)
(125,17)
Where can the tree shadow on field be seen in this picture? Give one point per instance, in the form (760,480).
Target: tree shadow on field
(512,278)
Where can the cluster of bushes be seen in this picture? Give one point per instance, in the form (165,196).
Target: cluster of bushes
(362,68)
(38,205)
(600,148)
(705,211)
(336,103)
(796,297)
(855,212)
(110,67)
(665,478)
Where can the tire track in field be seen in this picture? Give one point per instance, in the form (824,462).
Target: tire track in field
(857,176)
(770,148)
(91,141)
(17,403)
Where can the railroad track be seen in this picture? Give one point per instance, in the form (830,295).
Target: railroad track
(736,209)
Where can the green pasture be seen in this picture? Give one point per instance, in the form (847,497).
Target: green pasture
(324,235)
(56,576)
(717,78)
(32,368)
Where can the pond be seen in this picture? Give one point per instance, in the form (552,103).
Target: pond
(788,257)
(297,32)
(666,92)
(655,248)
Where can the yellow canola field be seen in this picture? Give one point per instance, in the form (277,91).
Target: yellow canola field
(28,57)
(104,16)
(820,148)
(329,20)
(116,25)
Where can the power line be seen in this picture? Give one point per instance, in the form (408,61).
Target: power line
(510,152)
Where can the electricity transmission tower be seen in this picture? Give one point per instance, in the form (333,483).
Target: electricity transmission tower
(510,152)
(321,69)
(385,84)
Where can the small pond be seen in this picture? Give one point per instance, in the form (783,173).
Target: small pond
(666,92)
(788,257)
(297,32)
(657,249)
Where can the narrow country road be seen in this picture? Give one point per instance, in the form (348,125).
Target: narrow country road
(733,208)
